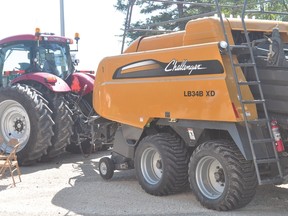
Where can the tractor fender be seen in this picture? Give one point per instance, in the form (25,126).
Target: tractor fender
(52,82)
(81,82)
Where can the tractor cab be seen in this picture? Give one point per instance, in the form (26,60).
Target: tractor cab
(42,52)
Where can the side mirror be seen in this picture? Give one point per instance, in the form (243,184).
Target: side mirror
(74,59)
(76,62)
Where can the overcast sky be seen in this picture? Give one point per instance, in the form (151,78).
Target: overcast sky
(97,22)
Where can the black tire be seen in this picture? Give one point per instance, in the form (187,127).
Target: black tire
(220,177)
(62,116)
(62,128)
(161,163)
(25,116)
(106,168)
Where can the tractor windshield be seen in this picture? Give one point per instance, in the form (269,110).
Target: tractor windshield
(29,56)
(54,58)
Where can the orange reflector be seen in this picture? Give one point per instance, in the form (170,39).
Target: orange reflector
(37,33)
(235,111)
(77,36)
(51,79)
(37,30)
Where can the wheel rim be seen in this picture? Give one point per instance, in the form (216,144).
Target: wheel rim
(14,123)
(210,177)
(103,168)
(151,166)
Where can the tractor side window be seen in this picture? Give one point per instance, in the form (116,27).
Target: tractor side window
(16,59)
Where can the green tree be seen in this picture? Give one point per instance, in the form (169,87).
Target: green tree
(157,13)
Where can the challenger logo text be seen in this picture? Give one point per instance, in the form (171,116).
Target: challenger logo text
(183,66)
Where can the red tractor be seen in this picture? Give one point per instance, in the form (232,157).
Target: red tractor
(44,102)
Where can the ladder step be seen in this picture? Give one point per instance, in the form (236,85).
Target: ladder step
(269,160)
(256,121)
(253,101)
(245,64)
(239,49)
(249,82)
(262,140)
(239,46)
(274,180)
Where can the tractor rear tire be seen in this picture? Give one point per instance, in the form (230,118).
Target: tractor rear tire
(220,177)
(161,163)
(25,116)
(62,116)
(62,128)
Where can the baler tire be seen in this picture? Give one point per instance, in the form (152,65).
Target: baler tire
(106,168)
(220,177)
(25,102)
(161,163)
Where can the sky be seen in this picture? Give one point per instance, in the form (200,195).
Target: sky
(97,22)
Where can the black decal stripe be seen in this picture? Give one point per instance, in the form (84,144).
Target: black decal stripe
(207,67)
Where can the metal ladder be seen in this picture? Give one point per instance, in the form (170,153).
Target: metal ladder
(273,157)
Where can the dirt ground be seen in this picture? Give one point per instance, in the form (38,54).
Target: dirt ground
(73,186)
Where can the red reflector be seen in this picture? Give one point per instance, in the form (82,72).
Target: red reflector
(235,111)
(75,86)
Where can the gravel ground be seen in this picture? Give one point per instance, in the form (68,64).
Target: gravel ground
(73,186)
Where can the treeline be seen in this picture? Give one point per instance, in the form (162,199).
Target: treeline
(155,14)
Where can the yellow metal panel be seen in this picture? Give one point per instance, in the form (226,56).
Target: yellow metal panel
(163,41)
(135,101)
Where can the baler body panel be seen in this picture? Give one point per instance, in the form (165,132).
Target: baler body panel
(187,82)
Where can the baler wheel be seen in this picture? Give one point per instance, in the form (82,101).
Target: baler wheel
(106,168)
(161,163)
(220,177)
